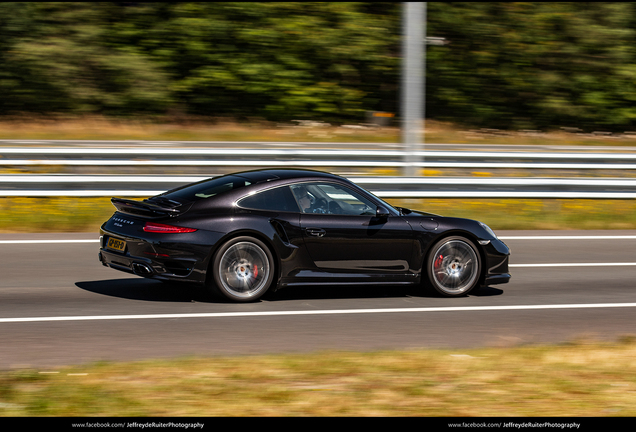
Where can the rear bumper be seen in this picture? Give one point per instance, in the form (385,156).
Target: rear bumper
(182,270)
(164,259)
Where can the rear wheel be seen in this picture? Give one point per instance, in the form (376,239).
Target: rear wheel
(453,266)
(243,269)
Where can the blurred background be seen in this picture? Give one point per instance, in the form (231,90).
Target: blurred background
(530,125)
(553,77)
(518,65)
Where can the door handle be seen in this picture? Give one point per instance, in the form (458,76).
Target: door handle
(318,232)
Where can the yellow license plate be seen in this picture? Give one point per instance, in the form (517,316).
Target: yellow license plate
(115,244)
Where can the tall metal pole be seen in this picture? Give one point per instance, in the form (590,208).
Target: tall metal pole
(413,66)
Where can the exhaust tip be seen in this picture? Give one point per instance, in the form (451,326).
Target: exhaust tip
(141,269)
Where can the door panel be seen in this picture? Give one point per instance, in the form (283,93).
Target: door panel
(343,233)
(358,243)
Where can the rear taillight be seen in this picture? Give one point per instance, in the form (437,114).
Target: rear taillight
(152,227)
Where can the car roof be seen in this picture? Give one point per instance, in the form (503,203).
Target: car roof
(257,176)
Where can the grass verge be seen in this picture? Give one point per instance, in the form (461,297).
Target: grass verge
(87,214)
(583,379)
(193,128)
(534,214)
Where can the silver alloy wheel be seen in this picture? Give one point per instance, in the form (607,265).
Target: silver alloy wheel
(244,271)
(454,266)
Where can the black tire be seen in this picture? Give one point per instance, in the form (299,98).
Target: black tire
(242,269)
(453,266)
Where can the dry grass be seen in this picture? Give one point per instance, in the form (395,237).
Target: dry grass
(194,128)
(534,214)
(580,379)
(63,214)
(186,129)
(87,214)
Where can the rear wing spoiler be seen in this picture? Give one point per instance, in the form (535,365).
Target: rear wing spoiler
(145,209)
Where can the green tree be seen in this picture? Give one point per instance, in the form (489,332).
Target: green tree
(276,60)
(61,58)
(533,65)
(508,65)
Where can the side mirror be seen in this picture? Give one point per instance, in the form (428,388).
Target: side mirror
(382,212)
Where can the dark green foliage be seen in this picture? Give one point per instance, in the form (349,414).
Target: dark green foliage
(279,61)
(508,65)
(533,65)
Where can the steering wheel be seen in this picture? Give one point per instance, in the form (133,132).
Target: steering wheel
(334,208)
(320,206)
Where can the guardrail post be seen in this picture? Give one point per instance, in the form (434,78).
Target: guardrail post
(413,66)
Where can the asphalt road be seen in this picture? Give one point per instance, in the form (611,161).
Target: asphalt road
(59,306)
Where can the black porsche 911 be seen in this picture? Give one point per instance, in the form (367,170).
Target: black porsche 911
(246,233)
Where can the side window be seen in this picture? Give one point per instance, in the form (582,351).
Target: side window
(277,199)
(331,198)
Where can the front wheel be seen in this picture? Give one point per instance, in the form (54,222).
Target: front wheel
(453,266)
(243,269)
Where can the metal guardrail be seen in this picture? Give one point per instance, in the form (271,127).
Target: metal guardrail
(132,155)
(70,154)
(259,157)
(387,187)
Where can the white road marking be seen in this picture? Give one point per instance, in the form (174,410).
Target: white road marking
(510,265)
(613,264)
(317,312)
(599,237)
(507,238)
(47,241)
